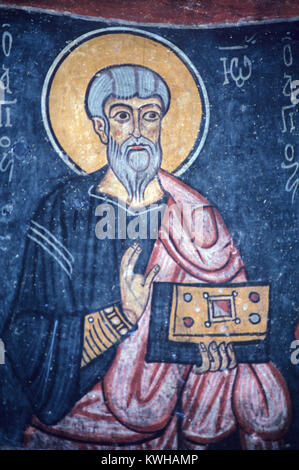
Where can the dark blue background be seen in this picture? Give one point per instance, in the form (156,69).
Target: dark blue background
(239,168)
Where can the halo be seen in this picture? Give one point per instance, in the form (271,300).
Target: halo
(184,128)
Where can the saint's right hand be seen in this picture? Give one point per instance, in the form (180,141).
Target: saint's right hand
(135,288)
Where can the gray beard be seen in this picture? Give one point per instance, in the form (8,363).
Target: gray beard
(135,169)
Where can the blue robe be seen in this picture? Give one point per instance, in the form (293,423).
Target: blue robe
(67,273)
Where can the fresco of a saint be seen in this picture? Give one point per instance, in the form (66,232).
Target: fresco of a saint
(78,333)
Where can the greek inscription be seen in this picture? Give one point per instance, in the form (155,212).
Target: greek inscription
(237,69)
(291,91)
(6,103)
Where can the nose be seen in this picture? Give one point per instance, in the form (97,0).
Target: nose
(136,125)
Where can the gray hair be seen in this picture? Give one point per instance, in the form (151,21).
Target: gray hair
(124,82)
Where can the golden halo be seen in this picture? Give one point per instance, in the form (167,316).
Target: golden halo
(70,130)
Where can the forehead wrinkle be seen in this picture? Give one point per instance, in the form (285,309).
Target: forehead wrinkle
(150,104)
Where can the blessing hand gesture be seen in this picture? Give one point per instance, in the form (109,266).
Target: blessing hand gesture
(135,288)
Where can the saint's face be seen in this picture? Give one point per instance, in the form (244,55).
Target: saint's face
(133,141)
(134,117)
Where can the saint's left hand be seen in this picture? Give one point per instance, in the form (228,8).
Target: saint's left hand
(216,357)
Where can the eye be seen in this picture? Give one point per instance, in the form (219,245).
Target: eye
(151,116)
(122,116)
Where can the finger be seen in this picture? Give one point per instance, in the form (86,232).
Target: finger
(223,356)
(151,276)
(129,259)
(214,356)
(205,366)
(129,270)
(127,255)
(232,356)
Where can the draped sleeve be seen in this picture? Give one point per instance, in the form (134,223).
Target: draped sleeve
(44,334)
